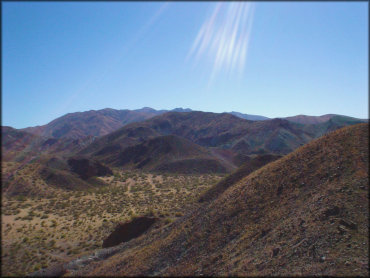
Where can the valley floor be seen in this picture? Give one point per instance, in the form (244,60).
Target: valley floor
(38,232)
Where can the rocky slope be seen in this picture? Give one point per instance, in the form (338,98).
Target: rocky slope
(168,153)
(252,164)
(304,214)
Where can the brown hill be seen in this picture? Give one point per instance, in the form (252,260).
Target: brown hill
(86,168)
(304,119)
(94,122)
(304,214)
(206,129)
(91,123)
(21,146)
(217,132)
(14,143)
(168,153)
(101,122)
(223,131)
(39,177)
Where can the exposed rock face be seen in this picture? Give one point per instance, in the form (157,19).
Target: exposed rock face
(86,168)
(127,231)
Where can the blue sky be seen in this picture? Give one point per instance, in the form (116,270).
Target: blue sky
(299,58)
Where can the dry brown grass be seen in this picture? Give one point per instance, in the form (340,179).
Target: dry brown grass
(41,231)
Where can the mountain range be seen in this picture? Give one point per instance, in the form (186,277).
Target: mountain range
(180,141)
(101,122)
(228,138)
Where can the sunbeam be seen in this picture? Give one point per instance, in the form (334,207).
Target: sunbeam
(224,37)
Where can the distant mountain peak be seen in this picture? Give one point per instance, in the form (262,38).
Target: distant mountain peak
(180,109)
(146,109)
(248,116)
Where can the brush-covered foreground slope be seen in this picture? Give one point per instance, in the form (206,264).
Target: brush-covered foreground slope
(252,164)
(304,214)
(168,153)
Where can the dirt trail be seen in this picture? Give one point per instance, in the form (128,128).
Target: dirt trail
(130,182)
(149,179)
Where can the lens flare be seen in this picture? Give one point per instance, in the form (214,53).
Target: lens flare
(224,37)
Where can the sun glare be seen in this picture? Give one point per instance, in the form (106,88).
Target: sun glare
(224,37)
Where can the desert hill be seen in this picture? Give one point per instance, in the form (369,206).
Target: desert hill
(198,130)
(306,213)
(336,122)
(300,119)
(101,122)
(211,130)
(226,140)
(21,146)
(203,128)
(169,153)
(14,142)
(33,165)
(304,119)
(39,177)
(94,123)
(249,116)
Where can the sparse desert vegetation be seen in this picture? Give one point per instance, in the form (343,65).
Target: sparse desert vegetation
(40,231)
(305,214)
(185,139)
